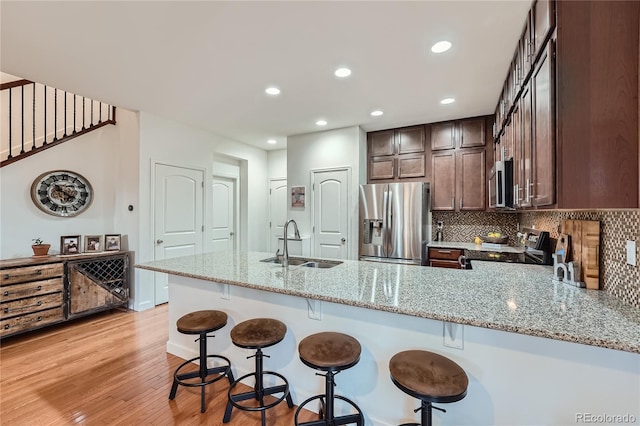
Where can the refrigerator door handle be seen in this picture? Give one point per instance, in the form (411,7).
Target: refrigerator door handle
(386,208)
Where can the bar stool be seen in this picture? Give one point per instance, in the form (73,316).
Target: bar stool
(256,334)
(430,378)
(201,323)
(331,352)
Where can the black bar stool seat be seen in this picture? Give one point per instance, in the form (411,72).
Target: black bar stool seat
(257,334)
(430,378)
(331,352)
(201,323)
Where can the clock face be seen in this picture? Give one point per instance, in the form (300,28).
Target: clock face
(61,193)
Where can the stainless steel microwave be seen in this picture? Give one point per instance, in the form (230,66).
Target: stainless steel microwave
(501,185)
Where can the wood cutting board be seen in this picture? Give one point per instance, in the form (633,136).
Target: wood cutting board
(585,249)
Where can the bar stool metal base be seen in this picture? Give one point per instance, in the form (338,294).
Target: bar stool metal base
(259,391)
(216,373)
(426,418)
(327,415)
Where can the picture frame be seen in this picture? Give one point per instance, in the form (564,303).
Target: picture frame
(297,196)
(70,244)
(112,242)
(92,243)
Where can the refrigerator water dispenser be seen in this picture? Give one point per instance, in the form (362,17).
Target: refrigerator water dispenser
(372,232)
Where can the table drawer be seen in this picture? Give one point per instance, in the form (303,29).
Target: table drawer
(445,254)
(35,288)
(30,273)
(30,304)
(26,322)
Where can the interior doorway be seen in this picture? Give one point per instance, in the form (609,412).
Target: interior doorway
(277,211)
(178,217)
(224,200)
(331,213)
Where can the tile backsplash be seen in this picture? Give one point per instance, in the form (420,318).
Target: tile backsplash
(466,226)
(616,227)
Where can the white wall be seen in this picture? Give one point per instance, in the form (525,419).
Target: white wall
(277,164)
(101,156)
(171,142)
(323,150)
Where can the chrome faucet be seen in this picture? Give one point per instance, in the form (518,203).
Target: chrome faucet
(285,255)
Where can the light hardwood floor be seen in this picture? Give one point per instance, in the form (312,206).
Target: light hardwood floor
(110,368)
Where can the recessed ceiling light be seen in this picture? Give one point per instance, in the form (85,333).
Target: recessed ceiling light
(441,46)
(321,122)
(446,101)
(377,113)
(342,72)
(271,141)
(272,90)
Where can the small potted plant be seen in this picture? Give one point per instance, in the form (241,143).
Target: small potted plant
(39,248)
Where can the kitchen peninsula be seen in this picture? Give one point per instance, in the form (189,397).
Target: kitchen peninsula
(535,352)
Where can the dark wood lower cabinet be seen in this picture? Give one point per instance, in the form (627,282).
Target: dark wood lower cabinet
(446,258)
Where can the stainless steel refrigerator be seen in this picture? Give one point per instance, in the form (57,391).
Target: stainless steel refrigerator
(395,222)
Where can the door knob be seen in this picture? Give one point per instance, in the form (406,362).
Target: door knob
(344,240)
(159,241)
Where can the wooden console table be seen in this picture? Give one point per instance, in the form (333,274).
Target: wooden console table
(36,292)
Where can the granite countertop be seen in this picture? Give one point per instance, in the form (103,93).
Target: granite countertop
(511,297)
(473,246)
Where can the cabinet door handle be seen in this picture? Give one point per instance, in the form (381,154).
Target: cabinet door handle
(453,203)
(461,204)
(159,241)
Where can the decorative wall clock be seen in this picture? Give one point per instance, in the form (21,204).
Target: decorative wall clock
(61,193)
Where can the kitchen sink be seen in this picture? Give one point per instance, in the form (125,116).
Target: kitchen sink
(324,264)
(293,261)
(300,261)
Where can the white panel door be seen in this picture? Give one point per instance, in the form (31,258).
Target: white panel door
(178,217)
(331,213)
(223,230)
(277,211)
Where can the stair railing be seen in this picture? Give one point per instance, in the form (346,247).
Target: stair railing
(38,117)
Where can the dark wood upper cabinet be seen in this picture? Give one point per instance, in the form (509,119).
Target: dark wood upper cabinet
(543,190)
(410,139)
(526,46)
(381,143)
(578,142)
(443,136)
(411,166)
(397,155)
(597,104)
(526,160)
(381,168)
(543,22)
(471,179)
(472,132)
(443,180)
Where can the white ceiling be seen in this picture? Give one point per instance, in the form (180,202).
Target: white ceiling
(207,63)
